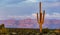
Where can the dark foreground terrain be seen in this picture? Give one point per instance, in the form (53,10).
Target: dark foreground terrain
(27,31)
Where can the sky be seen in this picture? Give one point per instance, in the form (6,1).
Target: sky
(28,9)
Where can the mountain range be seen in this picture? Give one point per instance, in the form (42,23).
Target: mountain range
(30,23)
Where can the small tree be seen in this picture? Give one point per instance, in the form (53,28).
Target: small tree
(46,30)
(3,29)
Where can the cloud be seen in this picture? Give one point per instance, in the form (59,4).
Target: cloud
(32,16)
(10,2)
(50,5)
(23,10)
(54,4)
(26,8)
(42,0)
(53,16)
(31,1)
(18,2)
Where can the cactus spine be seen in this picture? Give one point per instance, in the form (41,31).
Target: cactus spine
(40,17)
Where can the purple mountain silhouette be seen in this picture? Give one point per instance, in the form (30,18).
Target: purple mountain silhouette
(31,23)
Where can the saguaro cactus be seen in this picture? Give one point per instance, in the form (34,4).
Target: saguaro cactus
(40,17)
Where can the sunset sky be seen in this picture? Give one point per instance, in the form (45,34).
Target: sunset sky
(28,8)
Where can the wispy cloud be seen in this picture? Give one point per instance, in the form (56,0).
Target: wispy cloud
(51,4)
(27,8)
(10,2)
(42,0)
(53,16)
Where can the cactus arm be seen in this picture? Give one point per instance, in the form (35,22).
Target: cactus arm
(43,15)
(38,18)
